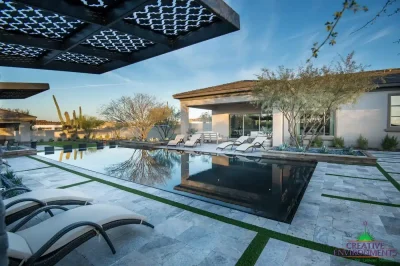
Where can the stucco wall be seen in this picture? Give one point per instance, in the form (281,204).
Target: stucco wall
(367,117)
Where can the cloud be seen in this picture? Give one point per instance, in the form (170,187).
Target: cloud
(115,75)
(378,35)
(91,86)
(248,73)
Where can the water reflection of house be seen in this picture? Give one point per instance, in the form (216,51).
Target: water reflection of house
(241,181)
(16,126)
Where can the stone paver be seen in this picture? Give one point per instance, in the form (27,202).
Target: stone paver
(23,164)
(185,238)
(278,253)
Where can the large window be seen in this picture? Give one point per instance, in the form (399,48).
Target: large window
(243,124)
(327,128)
(394,111)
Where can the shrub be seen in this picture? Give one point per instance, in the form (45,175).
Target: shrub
(301,149)
(51,140)
(41,140)
(317,142)
(77,137)
(69,139)
(324,149)
(338,142)
(282,147)
(191,131)
(59,139)
(63,135)
(389,143)
(362,142)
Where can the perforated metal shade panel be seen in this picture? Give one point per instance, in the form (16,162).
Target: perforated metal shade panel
(19,90)
(96,36)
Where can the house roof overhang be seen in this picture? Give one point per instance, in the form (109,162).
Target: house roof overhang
(19,90)
(391,79)
(7,116)
(97,36)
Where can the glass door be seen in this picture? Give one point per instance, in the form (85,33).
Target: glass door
(235,125)
(251,123)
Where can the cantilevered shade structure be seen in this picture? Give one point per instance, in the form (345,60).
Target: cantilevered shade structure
(96,36)
(18,90)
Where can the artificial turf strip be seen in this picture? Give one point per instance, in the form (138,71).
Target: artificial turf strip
(253,251)
(361,200)
(375,179)
(77,184)
(32,169)
(257,246)
(391,179)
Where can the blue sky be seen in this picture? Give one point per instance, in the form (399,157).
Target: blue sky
(273,33)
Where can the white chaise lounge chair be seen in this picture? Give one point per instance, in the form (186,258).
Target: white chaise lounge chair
(194,140)
(49,241)
(178,140)
(237,142)
(257,143)
(24,204)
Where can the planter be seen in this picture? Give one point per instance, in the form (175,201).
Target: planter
(140,144)
(368,159)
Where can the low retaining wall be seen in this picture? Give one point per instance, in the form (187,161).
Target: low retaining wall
(17,153)
(368,159)
(140,144)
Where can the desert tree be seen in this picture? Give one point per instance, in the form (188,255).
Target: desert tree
(167,126)
(145,167)
(89,124)
(390,8)
(205,117)
(311,94)
(140,113)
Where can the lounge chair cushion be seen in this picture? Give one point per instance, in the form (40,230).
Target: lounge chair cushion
(225,144)
(46,195)
(193,140)
(36,236)
(173,142)
(256,142)
(18,247)
(244,147)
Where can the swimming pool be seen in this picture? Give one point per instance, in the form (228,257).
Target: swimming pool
(267,188)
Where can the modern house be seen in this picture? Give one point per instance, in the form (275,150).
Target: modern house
(376,113)
(15,126)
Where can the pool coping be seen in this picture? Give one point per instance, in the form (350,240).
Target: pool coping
(328,158)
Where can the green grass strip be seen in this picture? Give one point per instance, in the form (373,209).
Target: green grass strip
(256,248)
(32,169)
(77,184)
(375,179)
(391,179)
(361,200)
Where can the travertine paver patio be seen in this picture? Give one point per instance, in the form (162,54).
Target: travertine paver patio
(185,238)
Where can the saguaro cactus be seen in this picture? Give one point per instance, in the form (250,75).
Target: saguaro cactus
(75,123)
(58,111)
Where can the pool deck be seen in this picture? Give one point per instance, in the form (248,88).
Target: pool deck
(211,148)
(181,237)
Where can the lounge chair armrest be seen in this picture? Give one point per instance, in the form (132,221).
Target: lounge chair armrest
(64,231)
(42,203)
(33,214)
(5,192)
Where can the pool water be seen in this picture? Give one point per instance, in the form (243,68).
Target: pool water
(268,188)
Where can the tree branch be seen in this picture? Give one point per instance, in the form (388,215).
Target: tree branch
(383,10)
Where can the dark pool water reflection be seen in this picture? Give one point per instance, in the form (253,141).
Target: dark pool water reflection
(269,188)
